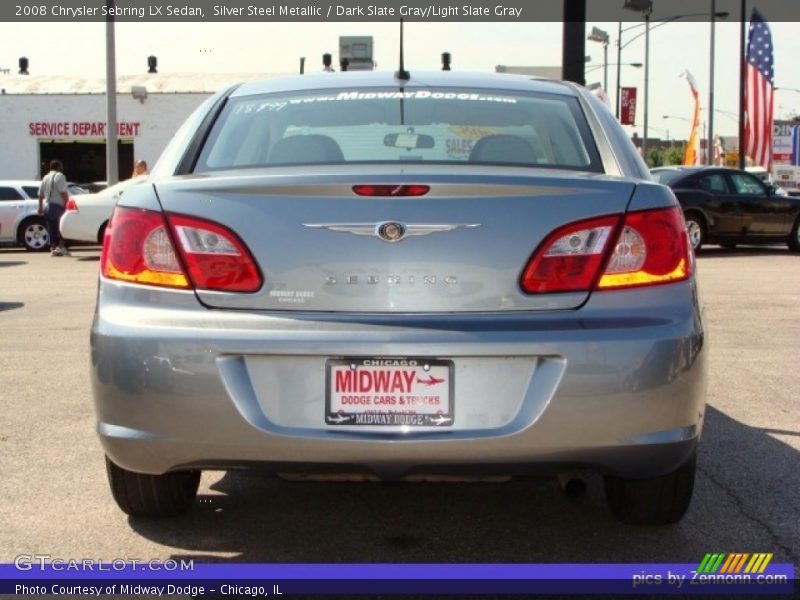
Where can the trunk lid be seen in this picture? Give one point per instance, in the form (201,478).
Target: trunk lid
(317,245)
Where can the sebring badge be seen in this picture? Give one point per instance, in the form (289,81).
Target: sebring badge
(391,231)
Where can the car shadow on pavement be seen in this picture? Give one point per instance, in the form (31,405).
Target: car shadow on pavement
(10,305)
(12,263)
(745,500)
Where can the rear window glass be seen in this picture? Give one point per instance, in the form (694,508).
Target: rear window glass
(387,125)
(667,176)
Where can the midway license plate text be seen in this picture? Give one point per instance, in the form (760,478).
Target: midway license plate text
(389,391)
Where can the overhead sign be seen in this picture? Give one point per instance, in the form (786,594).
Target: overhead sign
(627,113)
(79,129)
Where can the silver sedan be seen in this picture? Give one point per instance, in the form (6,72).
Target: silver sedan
(401,279)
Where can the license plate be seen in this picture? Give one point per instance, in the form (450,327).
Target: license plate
(416,392)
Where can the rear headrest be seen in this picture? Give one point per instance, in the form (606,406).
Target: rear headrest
(304,149)
(503,148)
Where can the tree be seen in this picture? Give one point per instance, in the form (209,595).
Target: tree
(674,156)
(655,158)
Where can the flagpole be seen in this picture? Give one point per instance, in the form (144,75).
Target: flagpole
(710,139)
(742,83)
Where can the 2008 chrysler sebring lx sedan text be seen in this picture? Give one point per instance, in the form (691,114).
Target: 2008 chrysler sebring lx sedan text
(396,278)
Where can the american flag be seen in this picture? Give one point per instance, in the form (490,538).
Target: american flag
(758,93)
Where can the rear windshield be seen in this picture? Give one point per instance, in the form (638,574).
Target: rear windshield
(667,176)
(387,126)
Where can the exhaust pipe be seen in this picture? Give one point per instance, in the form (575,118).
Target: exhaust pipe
(573,483)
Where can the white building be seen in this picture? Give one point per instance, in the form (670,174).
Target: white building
(43,118)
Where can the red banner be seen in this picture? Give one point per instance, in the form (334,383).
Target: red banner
(627,113)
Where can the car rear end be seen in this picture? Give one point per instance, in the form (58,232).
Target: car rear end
(467,281)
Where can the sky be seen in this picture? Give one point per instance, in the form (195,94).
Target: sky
(79,49)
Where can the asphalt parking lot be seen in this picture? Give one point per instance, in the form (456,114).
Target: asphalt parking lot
(56,500)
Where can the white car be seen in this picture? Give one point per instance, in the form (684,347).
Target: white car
(86,217)
(20,221)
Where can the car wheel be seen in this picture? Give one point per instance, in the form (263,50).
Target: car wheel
(141,495)
(654,500)
(696,227)
(32,234)
(794,239)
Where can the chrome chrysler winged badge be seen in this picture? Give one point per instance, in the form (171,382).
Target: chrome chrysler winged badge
(391,231)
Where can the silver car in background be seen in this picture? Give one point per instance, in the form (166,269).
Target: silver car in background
(361,275)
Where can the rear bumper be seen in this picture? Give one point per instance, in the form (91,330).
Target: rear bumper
(607,387)
(74,226)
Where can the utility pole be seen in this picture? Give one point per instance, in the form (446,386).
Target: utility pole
(112,158)
(573,55)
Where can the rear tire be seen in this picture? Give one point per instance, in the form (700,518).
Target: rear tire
(794,239)
(696,227)
(141,495)
(32,235)
(653,501)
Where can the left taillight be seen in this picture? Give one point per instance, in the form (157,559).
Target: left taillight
(138,247)
(72,206)
(215,257)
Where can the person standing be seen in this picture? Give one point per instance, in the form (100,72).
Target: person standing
(54,192)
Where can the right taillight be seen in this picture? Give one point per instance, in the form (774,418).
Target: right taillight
(652,248)
(71,206)
(138,247)
(647,248)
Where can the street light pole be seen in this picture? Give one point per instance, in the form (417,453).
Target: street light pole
(742,77)
(646,78)
(598,35)
(710,139)
(619,66)
(646,8)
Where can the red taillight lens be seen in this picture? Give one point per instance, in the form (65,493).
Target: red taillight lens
(391,190)
(651,247)
(214,256)
(570,258)
(72,206)
(138,247)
